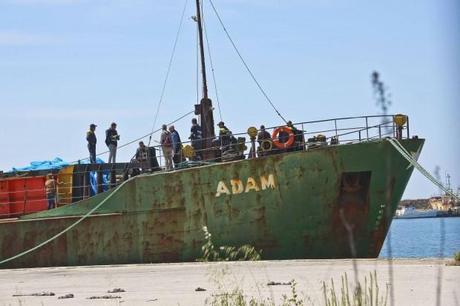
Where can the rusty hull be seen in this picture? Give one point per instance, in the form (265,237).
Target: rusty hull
(331,202)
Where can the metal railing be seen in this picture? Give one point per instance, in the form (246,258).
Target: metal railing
(333,132)
(344,129)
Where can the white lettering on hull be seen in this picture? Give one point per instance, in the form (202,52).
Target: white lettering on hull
(251,184)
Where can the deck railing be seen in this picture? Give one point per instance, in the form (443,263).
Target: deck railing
(335,131)
(342,130)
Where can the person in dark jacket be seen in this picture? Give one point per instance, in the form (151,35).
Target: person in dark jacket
(196,136)
(176,145)
(111,140)
(92,140)
(225,136)
(142,156)
(262,136)
(298,138)
(141,153)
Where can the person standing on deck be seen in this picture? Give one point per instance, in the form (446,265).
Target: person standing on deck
(142,156)
(262,136)
(50,190)
(166,146)
(196,136)
(298,138)
(141,153)
(176,146)
(92,140)
(225,136)
(111,140)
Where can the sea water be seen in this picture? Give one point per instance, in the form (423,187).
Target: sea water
(422,238)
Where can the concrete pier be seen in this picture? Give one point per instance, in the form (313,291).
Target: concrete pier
(414,282)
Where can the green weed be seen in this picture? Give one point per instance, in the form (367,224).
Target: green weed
(226,253)
(293,299)
(457,257)
(237,298)
(369,295)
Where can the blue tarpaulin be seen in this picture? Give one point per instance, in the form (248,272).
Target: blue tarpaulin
(56,163)
(93,177)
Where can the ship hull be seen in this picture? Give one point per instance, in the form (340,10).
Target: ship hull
(331,202)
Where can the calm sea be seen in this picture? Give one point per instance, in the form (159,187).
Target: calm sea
(421,238)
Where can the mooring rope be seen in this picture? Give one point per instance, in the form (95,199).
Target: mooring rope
(398,146)
(69,227)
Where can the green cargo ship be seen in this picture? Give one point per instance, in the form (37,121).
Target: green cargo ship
(329,199)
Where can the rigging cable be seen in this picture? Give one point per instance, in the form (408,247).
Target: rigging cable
(244,62)
(169,70)
(210,62)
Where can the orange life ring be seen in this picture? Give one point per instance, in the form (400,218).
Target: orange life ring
(276,141)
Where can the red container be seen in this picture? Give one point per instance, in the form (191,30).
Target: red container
(4,199)
(24,195)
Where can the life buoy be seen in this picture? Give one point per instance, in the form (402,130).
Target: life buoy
(276,140)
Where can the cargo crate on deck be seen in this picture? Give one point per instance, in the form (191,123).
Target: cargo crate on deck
(22,195)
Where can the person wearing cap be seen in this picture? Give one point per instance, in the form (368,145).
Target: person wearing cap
(92,140)
(142,155)
(262,136)
(111,140)
(166,146)
(225,136)
(196,136)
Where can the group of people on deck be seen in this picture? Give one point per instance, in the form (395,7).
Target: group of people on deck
(171,146)
(171,143)
(111,140)
(264,137)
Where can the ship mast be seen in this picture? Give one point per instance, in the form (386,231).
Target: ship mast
(202,58)
(204,109)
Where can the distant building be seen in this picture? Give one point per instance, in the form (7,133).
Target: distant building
(443,203)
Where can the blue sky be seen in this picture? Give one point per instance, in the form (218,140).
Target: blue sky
(67,63)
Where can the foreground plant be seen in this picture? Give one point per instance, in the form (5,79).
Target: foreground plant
(369,295)
(457,257)
(226,253)
(293,299)
(237,298)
